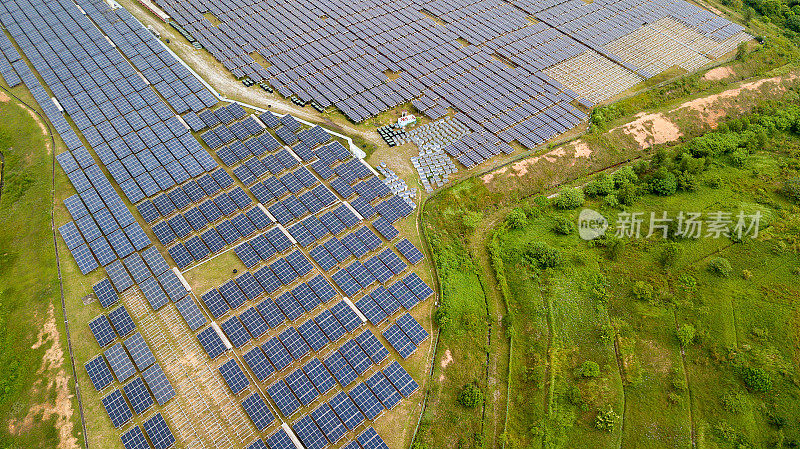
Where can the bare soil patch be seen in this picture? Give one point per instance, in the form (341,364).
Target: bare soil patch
(3,97)
(718,74)
(651,129)
(53,374)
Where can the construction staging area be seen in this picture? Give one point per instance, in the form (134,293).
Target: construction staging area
(308,334)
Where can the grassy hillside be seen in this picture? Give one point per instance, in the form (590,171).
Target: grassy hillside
(650,342)
(35,378)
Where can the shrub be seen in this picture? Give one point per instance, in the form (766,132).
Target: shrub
(663,183)
(602,185)
(442,317)
(517,219)
(606,420)
(670,251)
(734,402)
(625,175)
(720,266)
(686,334)
(564,226)
(569,198)
(642,291)
(628,193)
(471,396)
(541,255)
(589,368)
(757,379)
(611,200)
(738,158)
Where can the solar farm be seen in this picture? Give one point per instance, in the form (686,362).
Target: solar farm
(311,336)
(293,351)
(509,74)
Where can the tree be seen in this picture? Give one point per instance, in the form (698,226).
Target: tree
(625,175)
(757,379)
(686,334)
(517,218)
(589,368)
(569,198)
(628,193)
(541,255)
(602,185)
(664,183)
(471,396)
(442,317)
(720,266)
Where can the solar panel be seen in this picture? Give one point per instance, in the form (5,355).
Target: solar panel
(289,306)
(345,282)
(412,328)
(319,376)
(263,247)
(346,410)
(369,238)
(249,286)
(277,354)
(366,401)
(278,239)
(294,343)
(372,346)
(403,295)
(258,411)
(258,363)
(313,335)
(400,378)
(302,388)
(191,313)
(235,331)
(417,286)
(105,293)
(159,384)
(384,390)
(330,325)
(211,342)
(253,322)
(271,313)
(232,293)
(133,438)
(309,434)
(385,300)
(99,373)
(386,229)
(283,398)
(215,303)
(280,440)
(228,232)
(117,408)
(139,351)
(346,316)
(337,250)
(341,370)
(172,285)
(409,251)
(102,330)
(392,261)
(378,269)
(371,310)
(283,271)
(322,288)
(120,363)
(157,430)
(332,223)
(369,439)
(234,376)
(323,258)
(306,297)
(399,341)
(354,245)
(138,396)
(329,423)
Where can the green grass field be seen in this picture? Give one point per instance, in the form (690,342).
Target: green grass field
(36,385)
